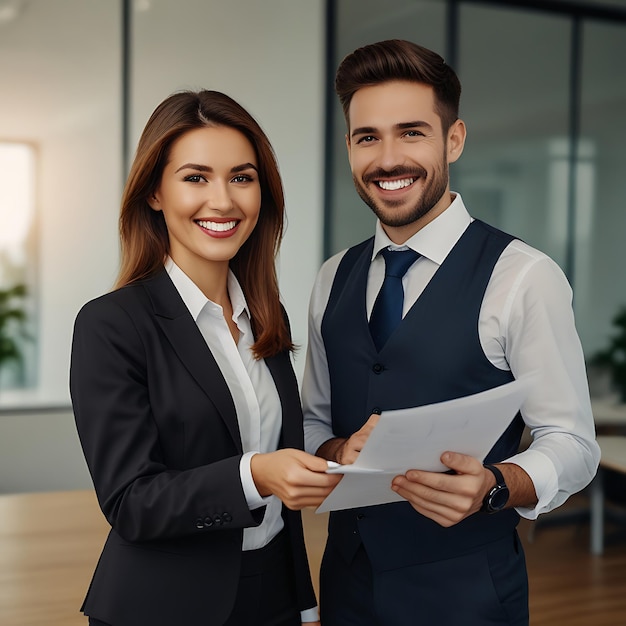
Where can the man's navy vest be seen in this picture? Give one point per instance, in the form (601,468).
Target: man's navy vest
(434,355)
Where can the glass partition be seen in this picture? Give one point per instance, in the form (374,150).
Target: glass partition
(600,254)
(60,116)
(514,171)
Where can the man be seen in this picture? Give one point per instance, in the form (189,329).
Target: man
(480,309)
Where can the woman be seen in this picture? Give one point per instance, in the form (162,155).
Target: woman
(185,400)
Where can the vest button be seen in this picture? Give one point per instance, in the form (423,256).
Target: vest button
(378,368)
(360,516)
(376,410)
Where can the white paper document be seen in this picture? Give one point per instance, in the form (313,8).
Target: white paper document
(415,438)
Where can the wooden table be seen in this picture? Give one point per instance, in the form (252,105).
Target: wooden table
(613,457)
(49,546)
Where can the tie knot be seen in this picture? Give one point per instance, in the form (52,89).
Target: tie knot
(397,262)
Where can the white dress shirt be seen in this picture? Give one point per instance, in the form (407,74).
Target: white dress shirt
(526,325)
(251,385)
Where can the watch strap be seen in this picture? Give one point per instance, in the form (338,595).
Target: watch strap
(497,473)
(498,495)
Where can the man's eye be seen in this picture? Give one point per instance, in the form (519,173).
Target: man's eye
(367,139)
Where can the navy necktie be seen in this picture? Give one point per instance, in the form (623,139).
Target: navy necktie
(387,311)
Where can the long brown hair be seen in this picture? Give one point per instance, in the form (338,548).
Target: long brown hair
(143,233)
(397,59)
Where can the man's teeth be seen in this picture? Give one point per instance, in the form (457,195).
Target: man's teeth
(218,226)
(392,185)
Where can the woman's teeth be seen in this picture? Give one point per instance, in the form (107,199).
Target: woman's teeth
(393,185)
(217,226)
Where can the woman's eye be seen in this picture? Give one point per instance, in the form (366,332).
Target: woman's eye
(242,178)
(194,178)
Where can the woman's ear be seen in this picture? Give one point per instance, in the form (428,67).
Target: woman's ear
(154,202)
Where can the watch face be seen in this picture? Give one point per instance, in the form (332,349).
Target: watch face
(498,498)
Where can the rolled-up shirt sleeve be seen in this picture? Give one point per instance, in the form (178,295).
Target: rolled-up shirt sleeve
(539,336)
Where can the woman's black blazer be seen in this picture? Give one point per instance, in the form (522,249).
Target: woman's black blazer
(158,428)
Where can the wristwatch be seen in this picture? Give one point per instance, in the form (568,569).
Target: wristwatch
(498,496)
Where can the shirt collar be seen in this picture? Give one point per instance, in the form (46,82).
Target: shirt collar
(436,239)
(196,301)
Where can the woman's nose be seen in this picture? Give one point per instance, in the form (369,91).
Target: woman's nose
(218,196)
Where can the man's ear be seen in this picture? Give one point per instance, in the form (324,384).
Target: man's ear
(456,140)
(349,148)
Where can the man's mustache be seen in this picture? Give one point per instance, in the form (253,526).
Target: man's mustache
(400,171)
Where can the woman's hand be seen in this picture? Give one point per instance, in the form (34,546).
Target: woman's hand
(297,478)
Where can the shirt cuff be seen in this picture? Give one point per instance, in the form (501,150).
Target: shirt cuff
(310,615)
(545,480)
(253,498)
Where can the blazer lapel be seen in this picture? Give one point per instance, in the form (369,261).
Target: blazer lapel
(285,379)
(189,344)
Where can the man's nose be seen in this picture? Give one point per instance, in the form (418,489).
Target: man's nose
(390,155)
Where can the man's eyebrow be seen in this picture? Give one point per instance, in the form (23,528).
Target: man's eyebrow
(415,124)
(363,130)
(370,130)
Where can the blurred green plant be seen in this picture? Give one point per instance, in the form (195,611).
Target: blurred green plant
(12,323)
(613,358)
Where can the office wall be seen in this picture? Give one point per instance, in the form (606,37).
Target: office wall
(268,55)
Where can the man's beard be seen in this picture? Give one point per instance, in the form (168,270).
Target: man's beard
(432,192)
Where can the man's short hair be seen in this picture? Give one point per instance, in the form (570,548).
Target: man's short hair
(397,59)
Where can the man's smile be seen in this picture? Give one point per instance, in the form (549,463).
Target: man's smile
(394,185)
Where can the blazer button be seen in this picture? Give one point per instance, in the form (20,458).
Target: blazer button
(208,522)
(199,523)
(218,520)
(360,516)
(227,517)
(377,368)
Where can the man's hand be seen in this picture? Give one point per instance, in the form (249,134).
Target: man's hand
(345,451)
(297,478)
(447,498)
